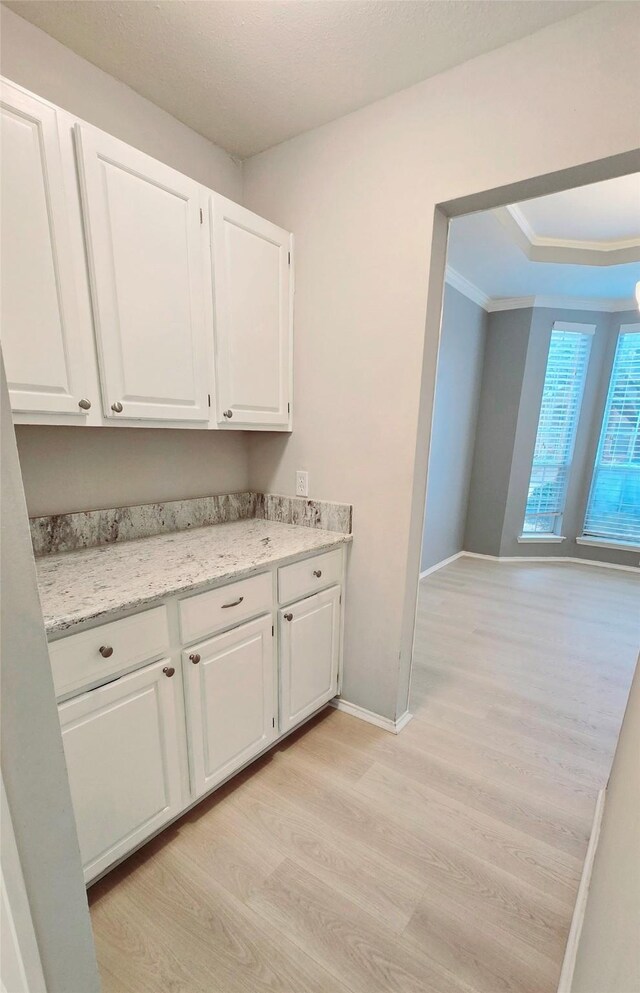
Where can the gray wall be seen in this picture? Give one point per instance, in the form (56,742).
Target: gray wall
(608,959)
(505,359)
(33,766)
(460,356)
(511,393)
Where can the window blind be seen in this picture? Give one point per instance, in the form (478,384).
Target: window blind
(559,414)
(613,510)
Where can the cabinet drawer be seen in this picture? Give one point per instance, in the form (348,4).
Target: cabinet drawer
(225,606)
(302,578)
(78,662)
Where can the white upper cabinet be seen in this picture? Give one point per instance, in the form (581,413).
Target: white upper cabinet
(146,245)
(126,282)
(41,337)
(252,291)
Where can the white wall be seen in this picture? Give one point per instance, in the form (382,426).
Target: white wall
(608,959)
(360,195)
(72,468)
(33,766)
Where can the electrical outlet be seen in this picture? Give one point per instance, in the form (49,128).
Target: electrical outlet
(302,483)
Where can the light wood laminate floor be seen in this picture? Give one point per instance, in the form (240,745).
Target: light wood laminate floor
(445,859)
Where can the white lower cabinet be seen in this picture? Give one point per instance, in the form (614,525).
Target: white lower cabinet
(143,747)
(121,744)
(230,701)
(309,654)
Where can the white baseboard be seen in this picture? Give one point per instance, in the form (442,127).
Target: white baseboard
(439,565)
(395,727)
(571,951)
(549,559)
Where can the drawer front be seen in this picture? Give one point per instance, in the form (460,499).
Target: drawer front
(225,606)
(91,657)
(310,575)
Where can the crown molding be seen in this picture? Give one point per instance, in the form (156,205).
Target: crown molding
(566,251)
(599,304)
(493,305)
(466,287)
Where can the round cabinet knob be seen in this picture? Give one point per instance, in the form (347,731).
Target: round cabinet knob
(168,670)
(317,573)
(288,617)
(116,407)
(195,658)
(85,404)
(227,413)
(106,651)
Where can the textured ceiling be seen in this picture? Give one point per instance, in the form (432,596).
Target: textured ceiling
(248,74)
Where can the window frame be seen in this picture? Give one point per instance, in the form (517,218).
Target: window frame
(591,536)
(586,332)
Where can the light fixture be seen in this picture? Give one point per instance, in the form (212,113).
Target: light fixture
(638,294)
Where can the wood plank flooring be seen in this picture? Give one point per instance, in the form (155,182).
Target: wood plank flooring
(443,860)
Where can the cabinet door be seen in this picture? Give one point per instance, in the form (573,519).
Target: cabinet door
(122,751)
(41,340)
(309,653)
(229,682)
(146,251)
(253,312)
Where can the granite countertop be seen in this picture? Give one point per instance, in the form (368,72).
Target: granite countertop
(106,581)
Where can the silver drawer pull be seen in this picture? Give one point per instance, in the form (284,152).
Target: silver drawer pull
(317,573)
(234,604)
(194,657)
(106,651)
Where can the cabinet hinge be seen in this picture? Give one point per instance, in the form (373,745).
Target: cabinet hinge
(273,631)
(289,257)
(288,408)
(340,598)
(209,398)
(201,216)
(273,722)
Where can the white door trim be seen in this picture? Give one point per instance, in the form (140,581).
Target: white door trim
(571,951)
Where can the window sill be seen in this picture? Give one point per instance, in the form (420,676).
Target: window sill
(540,539)
(608,543)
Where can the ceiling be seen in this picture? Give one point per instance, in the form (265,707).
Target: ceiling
(603,213)
(590,225)
(493,257)
(248,74)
